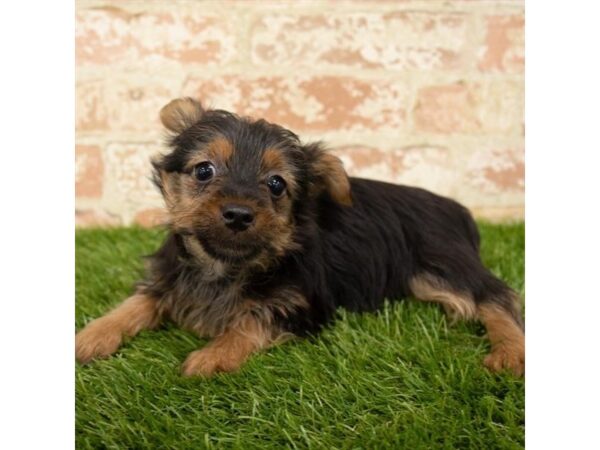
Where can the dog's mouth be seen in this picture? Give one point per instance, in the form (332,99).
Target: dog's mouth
(226,250)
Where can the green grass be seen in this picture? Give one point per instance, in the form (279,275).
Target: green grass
(401,378)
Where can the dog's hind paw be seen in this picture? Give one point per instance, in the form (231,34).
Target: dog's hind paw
(506,357)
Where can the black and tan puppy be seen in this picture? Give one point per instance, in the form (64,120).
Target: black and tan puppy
(267,237)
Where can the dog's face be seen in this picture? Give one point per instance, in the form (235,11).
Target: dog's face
(234,185)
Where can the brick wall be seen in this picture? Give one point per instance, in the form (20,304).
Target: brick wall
(421,92)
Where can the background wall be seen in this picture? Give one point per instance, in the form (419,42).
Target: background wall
(427,92)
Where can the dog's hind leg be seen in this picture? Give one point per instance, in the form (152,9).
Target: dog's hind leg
(485,298)
(103,336)
(457,304)
(502,319)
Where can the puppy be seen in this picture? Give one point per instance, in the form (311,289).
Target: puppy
(268,236)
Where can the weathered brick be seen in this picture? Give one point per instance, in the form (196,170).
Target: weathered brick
(95,218)
(500,214)
(504,47)
(427,166)
(483,176)
(497,170)
(89,171)
(348,73)
(491,179)
(151,217)
(128,185)
(470,107)
(111,35)
(316,103)
(372,40)
(123,104)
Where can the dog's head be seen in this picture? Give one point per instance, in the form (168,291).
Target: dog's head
(234,185)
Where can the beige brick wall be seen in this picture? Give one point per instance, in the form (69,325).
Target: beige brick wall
(421,92)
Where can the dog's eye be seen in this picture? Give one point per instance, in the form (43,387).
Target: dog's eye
(204,171)
(276,185)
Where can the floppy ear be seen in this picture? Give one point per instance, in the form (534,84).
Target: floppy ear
(329,174)
(180,114)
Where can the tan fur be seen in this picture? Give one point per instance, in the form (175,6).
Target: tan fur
(273,163)
(457,305)
(272,159)
(507,340)
(330,167)
(217,151)
(103,336)
(281,237)
(180,114)
(171,189)
(182,201)
(227,352)
(190,209)
(212,269)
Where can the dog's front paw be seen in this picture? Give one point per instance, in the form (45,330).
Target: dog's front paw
(506,356)
(208,361)
(97,340)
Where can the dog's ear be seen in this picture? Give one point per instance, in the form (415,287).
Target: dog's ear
(180,114)
(328,174)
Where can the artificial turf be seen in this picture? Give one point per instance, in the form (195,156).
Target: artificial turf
(400,378)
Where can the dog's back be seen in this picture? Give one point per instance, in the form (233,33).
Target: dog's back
(373,249)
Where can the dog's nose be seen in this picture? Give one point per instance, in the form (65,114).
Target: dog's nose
(237,217)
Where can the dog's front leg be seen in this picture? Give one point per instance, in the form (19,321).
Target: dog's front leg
(102,337)
(228,351)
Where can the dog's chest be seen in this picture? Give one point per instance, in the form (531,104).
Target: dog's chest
(203,308)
